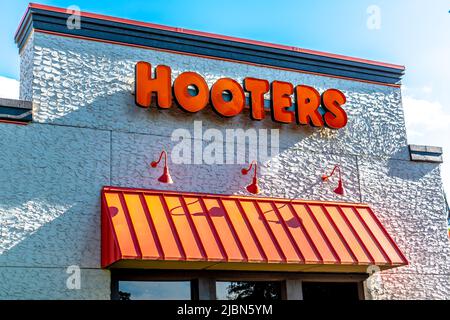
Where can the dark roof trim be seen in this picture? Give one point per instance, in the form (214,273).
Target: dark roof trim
(425,153)
(134,33)
(15,110)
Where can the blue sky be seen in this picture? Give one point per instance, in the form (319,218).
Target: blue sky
(414,33)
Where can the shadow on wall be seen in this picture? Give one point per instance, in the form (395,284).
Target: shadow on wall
(410,170)
(70,238)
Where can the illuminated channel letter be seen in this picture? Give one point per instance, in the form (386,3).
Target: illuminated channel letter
(332,101)
(227,108)
(281,99)
(256,88)
(146,85)
(187,101)
(308,103)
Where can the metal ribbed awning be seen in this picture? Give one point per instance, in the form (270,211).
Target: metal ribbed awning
(162,229)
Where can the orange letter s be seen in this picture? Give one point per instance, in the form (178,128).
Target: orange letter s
(335,116)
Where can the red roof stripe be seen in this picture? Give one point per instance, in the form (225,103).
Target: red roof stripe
(151,225)
(356,235)
(348,250)
(387,235)
(237,239)
(193,227)
(245,232)
(213,229)
(290,248)
(225,233)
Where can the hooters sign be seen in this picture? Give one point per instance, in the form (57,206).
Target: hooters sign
(305,111)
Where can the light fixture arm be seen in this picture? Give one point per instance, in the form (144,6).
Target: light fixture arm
(253,187)
(336,167)
(255,164)
(340,188)
(155,163)
(165,177)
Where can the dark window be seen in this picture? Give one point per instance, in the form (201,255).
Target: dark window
(139,284)
(154,290)
(248,290)
(330,291)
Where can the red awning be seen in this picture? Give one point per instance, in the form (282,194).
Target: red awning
(162,229)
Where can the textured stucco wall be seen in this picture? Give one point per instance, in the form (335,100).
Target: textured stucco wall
(87,133)
(49,185)
(26,70)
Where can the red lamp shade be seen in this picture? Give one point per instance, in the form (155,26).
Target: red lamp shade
(165,177)
(340,188)
(253,187)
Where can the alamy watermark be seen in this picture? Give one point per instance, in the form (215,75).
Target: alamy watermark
(374,18)
(73,281)
(374,281)
(74,20)
(229,146)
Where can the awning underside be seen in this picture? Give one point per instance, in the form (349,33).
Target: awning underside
(160,229)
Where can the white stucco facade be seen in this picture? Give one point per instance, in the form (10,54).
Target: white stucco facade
(87,133)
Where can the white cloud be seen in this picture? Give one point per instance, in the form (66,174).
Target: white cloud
(9,88)
(427,89)
(428,123)
(423,115)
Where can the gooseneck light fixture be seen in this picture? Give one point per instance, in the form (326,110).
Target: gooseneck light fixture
(165,177)
(340,188)
(253,187)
